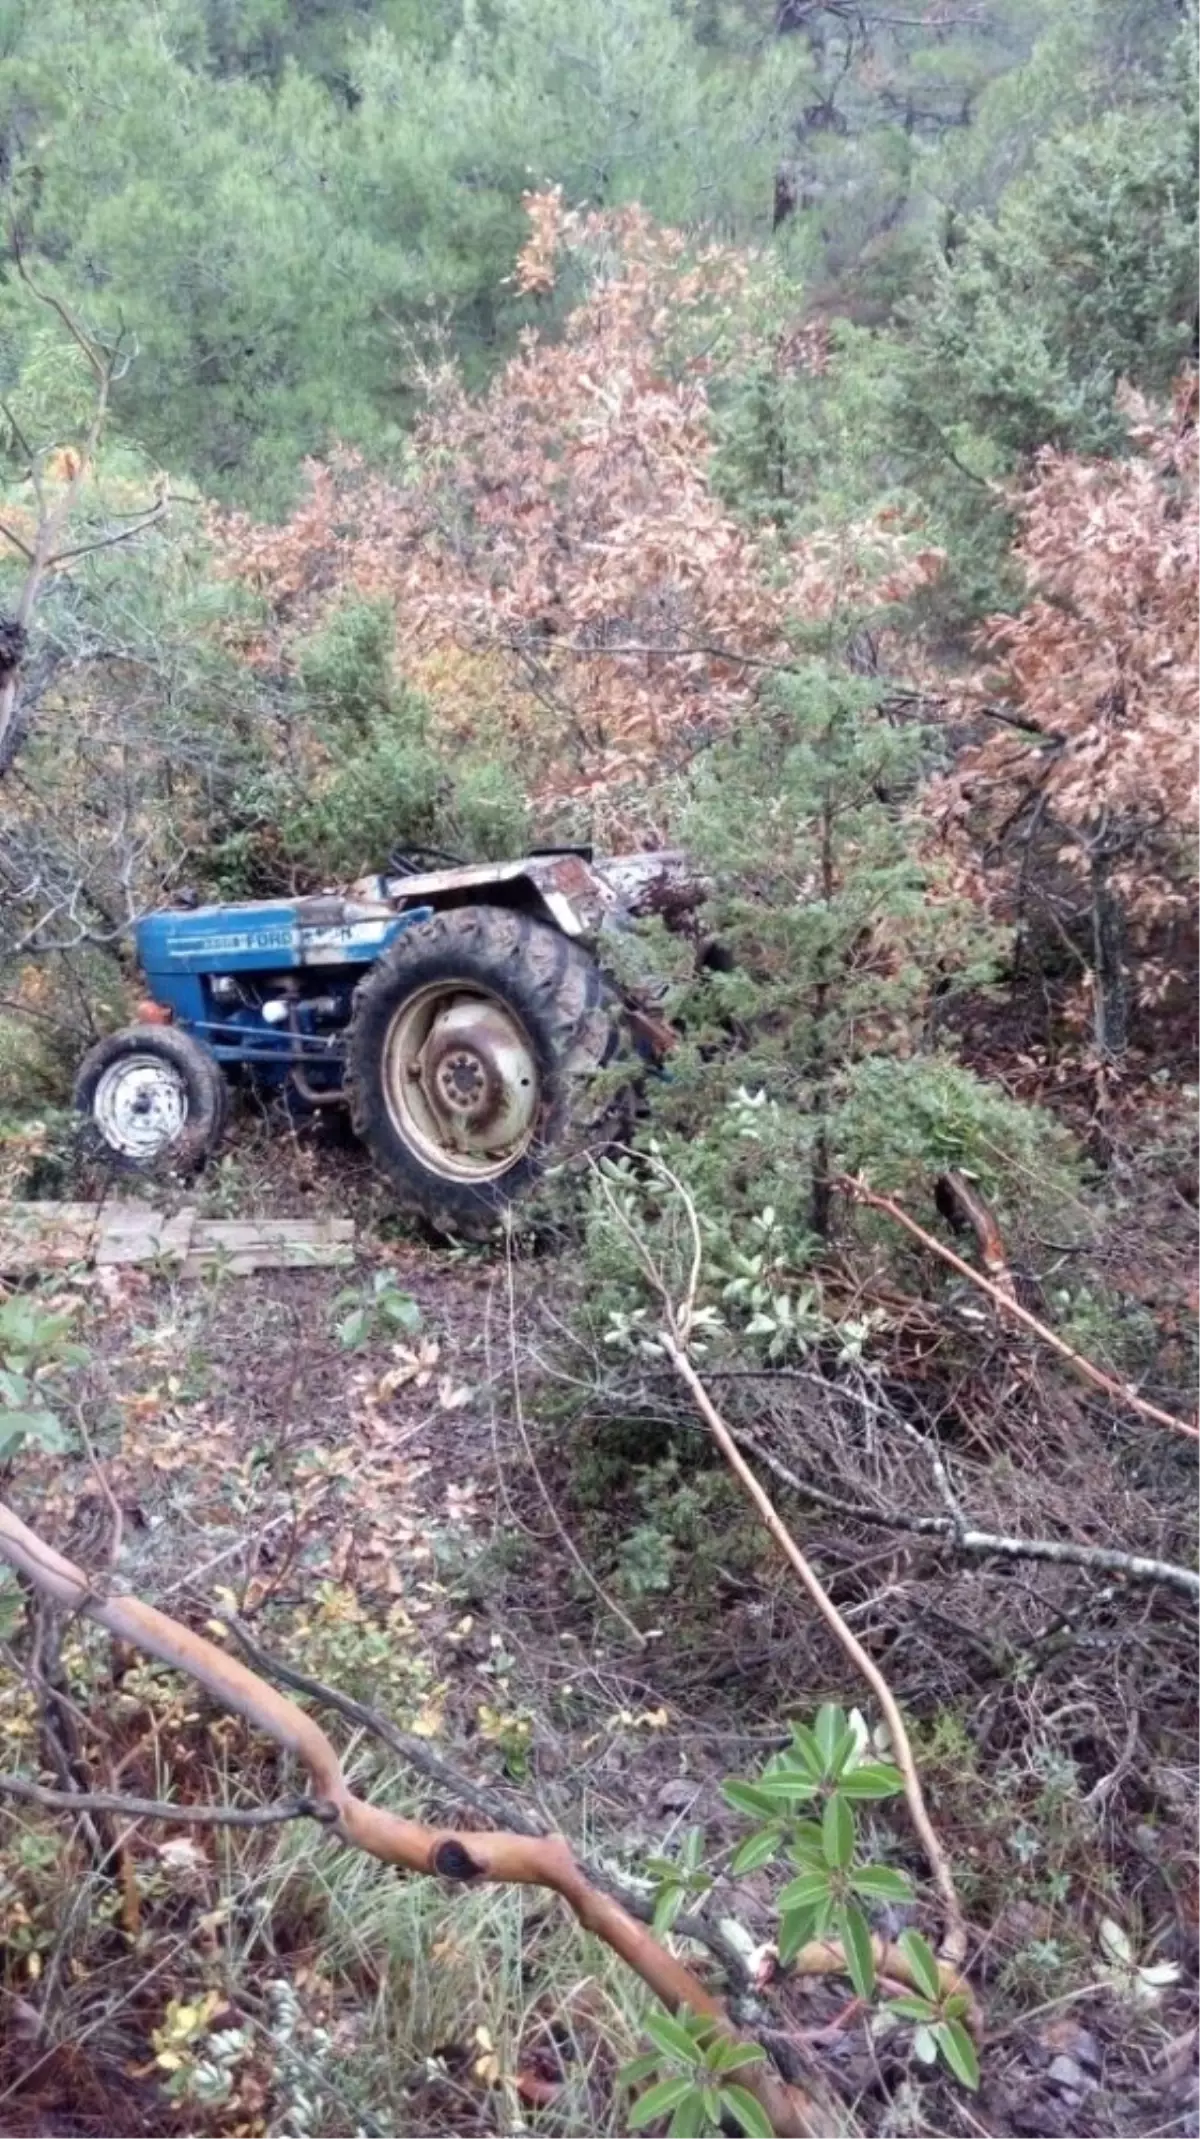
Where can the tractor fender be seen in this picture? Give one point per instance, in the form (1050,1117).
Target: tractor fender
(566,890)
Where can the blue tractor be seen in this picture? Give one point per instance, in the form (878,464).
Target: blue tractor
(457,1012)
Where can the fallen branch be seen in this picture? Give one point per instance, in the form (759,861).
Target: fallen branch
(416,1753)
(1099,1559)
(492,1803)
(858,1192)
(961,1205)
(157,1808)
(954,1940)
(674,1339)
(506,1858)
(821,1957)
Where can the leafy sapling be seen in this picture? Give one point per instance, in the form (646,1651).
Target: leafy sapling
(696,2064)
(35,1346)
(384,1310)
(806,1806)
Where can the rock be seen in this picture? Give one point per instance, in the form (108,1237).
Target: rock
(1068,2038)
(1064,2072)
(678,1794)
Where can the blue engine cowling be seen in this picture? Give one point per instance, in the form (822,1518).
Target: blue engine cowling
(268,985)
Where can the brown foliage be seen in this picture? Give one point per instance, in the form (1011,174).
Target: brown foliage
(567,520)
(1100,667)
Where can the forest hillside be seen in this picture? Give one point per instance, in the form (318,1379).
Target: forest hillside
(765,429)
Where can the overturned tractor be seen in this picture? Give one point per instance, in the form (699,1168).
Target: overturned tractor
(460,1014)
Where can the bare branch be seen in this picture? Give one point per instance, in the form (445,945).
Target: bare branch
(484,1798)
(505,1857)
(954,1939)
(109,542)
(15,427)
(100,359)
(961,1204)
(1098,1559)
(154,1808)
(10,535)
(858,1192)
(674,1343)
(101,1477)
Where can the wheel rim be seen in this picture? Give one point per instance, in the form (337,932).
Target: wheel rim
(461,1082)
(140,1106)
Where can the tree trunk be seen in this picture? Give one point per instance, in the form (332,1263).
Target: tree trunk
(821,1205)
(1110,988)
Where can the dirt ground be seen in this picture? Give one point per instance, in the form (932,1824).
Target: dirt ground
(402,1518)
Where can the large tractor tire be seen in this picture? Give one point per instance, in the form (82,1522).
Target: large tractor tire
(153,1100)
(469,1052)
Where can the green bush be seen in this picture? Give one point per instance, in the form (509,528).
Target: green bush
(816,1046)
(34,1067)
(903,1122)
(346,669)
(385,781)
(389,783)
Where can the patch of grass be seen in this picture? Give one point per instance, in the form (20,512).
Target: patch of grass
(443,1997)
(280,1975)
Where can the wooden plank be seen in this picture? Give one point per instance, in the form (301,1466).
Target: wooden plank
(38,1236)
(241,1246)
(50,1236)
(141,1234)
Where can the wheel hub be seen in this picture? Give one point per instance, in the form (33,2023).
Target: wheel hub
(478,1076)
(462,1082)
(140,1106)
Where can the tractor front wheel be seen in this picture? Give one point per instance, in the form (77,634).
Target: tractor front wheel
(469,1046)
(153,1099)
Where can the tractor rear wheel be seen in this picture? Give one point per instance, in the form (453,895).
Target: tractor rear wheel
(154,1100)
(470,1044)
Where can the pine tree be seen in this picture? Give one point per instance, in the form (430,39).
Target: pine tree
(841,939)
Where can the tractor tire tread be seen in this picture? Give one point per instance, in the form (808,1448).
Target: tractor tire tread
(552,984)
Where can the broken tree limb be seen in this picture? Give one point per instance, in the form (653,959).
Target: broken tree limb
(820,1957)
(1098,1559)
(954,1939)
(491,1803)
(858,1192)
(962,1206)
(505,1858)
(677,1326)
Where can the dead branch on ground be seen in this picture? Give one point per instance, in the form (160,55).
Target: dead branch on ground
(1099,1559)
(158,1808)
(492,1803)
(677,1325)
(961,1205)
(505,1858)
(1121,1393)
